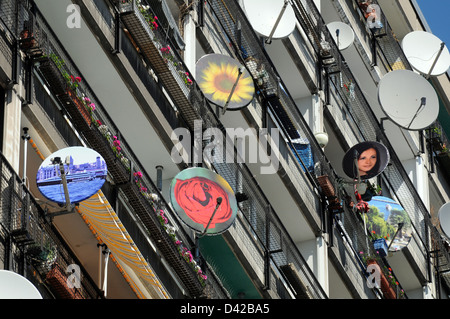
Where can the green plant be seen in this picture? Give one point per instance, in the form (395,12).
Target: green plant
(42,253)
(73,83)
(436,131)
(374,188)
(148,16)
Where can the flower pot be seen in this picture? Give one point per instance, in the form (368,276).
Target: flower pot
(385,287)
(388,291)
(78,113)
(52,75)
(58,281)
(80,107)
(381,246)
(99,142)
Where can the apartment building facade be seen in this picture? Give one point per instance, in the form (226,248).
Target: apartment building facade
(120,78)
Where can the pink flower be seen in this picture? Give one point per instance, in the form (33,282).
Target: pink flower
(137,174)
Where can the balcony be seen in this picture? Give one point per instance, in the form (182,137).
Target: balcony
(44,253)
(364,120)
(94,125)
(248,185)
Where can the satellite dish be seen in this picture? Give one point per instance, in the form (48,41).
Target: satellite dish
(444,218)
(365,160)
(271,19)
(71,175)
(387,219)
(224,81)
(15,286)
(342,34)
(426,53)
(203,200)
(408,99)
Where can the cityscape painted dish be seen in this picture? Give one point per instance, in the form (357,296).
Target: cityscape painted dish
(195,194)
(384,220)
(85,172)
(217,75)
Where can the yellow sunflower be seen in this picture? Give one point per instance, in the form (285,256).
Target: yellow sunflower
(218,80)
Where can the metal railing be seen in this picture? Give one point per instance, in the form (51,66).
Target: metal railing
(238,175)
(24,222)
(51,53)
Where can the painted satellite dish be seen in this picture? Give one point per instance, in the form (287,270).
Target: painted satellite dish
(84,169)
(408,99)
(203,200)
(387,219)
(221,82)
(271,19)
(15,286)
(426,53)
(368,159)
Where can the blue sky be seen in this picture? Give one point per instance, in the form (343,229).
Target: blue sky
(436,13)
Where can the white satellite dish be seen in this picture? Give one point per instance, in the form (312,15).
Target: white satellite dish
(444,218)
(274,19)
(426,53)
(342,34)
(408,99)
(15,286)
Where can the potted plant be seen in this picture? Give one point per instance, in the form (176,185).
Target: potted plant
(42,255)
(371,190)
(385,286)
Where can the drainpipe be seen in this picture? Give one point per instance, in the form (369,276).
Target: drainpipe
(25,138)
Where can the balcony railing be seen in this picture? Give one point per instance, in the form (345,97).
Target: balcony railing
(93,123)
(22,218)
(231,172)
(366,127)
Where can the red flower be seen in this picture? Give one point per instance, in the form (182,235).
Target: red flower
(197,196)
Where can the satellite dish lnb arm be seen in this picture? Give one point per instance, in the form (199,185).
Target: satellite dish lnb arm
(269,39)
(435,60)
(219,201)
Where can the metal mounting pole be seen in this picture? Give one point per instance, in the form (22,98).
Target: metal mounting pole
(219,201)
(232,90)
(269,39)
(435,60)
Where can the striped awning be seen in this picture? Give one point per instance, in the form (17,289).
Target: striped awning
(107,227)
